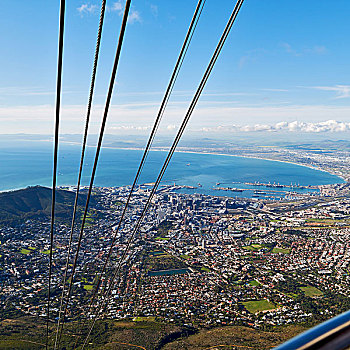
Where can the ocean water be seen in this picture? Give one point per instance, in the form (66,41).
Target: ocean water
(32,165)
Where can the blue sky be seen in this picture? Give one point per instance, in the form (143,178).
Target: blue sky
(285,65)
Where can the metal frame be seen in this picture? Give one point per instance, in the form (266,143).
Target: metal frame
(333,334)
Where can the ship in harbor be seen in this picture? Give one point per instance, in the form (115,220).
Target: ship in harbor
(234,189)
(259,192)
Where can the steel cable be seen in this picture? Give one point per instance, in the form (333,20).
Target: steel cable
(55,157)
(162,108)
(92,86)
(98,149)
(181,130)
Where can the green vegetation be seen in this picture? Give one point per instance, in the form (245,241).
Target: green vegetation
(25,251)
(248,247)
(184,256)
(161,238)
(144,319)
(29,334)
(157,253)
(235,337)
(255,306)
(288,286)
(291,295)
(254,283)
(254,247)
(164,227)
(281,250)
(91,216)
(162,256)
(155,261)
(19,344)
(310,291)
(35,203)
(295,289)
(47,252)
(88,286)
(205,269)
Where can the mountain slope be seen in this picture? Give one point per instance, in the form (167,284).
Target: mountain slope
(35,202)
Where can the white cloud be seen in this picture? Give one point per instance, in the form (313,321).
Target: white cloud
(154,10)
(288,48)
(131,127)
(207,117)
(29,91)
(342,91)
(251,56)
(87,9)
(275,90)
(315,50)
(116,7)
(295,126)
(134,17)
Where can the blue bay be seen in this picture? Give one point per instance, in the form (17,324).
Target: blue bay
(32,165)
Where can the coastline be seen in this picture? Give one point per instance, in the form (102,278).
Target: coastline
(222,154)
(268,159)
(208,153)
(342,179)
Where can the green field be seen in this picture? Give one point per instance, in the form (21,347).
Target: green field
(253,247)
(144,319)
(184,256)
(47,252)
(254,283)
(311,291)
(255,306)
(162,256)
(158,260)
(205,269)
(88,286)
(281,250)
(25,251)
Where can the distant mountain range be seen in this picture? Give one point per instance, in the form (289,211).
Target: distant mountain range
(35,203)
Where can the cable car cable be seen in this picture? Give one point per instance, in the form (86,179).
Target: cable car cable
(98,149)
(181,130)
(92,86)
(55,157)
(162,108)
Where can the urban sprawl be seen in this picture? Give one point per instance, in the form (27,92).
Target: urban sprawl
(198,260)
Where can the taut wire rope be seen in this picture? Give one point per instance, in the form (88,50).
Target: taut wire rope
(181,130)
(162,108)
(87,120)
(55,157)
(98,149)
